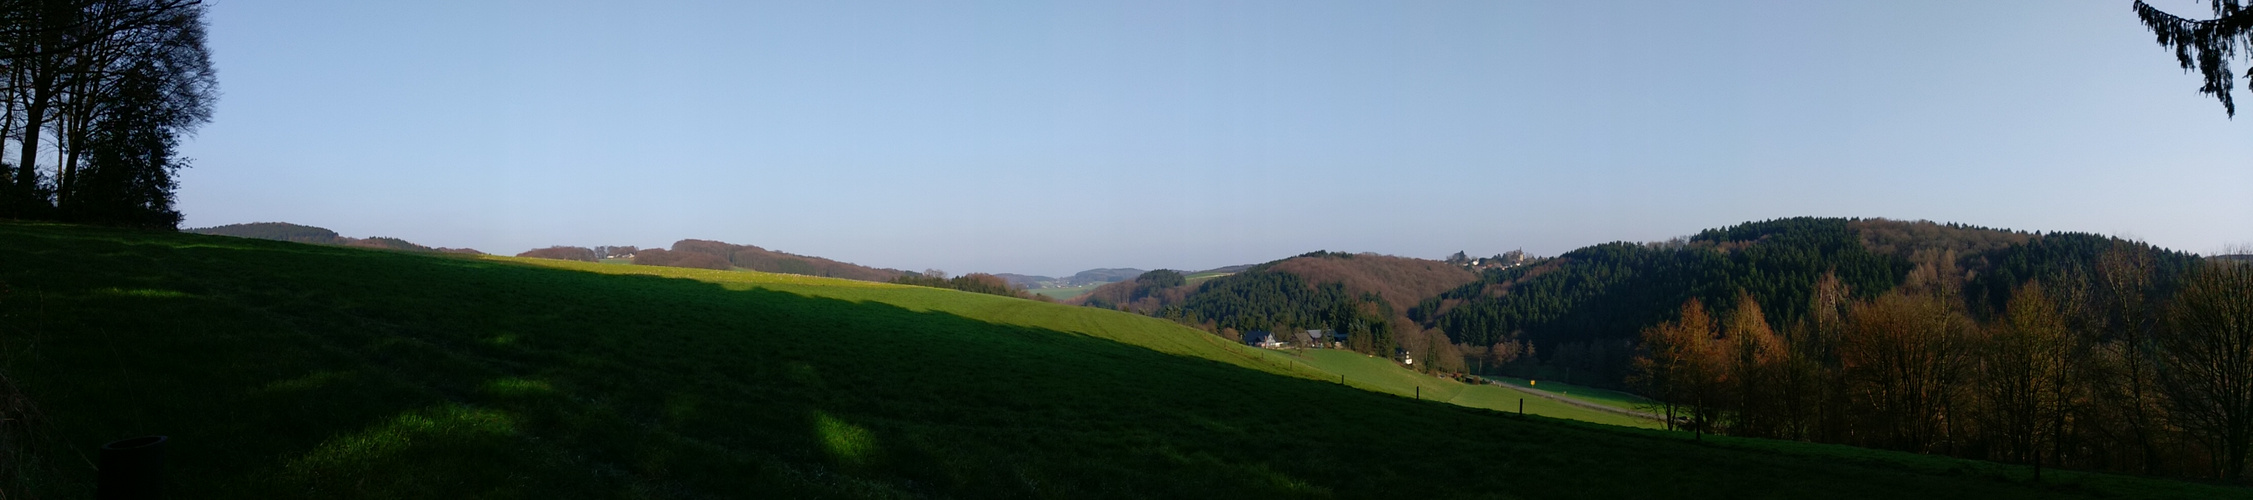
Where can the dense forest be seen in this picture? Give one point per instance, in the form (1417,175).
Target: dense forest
(1577,315)
(2098,354)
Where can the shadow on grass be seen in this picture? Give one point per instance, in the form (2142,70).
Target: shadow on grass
(287,372)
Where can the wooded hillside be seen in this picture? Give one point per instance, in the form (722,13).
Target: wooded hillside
(721,255)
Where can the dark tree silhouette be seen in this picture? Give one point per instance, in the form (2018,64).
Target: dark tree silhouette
(103,89)
(2206,45)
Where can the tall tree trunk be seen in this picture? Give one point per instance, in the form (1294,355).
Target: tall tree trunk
(34,118)
(8,121)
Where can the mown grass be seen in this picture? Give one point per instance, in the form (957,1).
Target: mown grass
(291,371)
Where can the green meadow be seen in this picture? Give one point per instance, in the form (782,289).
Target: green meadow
(1383,375)
(284,370)
(1606,397)
(1063,293)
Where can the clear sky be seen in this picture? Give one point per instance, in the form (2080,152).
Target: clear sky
(1051,137)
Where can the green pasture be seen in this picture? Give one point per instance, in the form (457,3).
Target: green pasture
(1064,293)
(1606,397)
(284,370)
(1383,375)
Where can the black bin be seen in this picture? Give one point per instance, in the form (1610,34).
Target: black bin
(132,469)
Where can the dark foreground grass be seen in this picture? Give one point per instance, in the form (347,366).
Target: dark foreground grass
(284,370)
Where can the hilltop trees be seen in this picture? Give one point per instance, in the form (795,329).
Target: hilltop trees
(681,258)
(973,282)
(583,254)
(106,87)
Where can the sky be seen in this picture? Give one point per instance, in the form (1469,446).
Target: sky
(1051,137)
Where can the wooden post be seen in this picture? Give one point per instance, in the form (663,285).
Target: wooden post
(1419,393)
(1521,407)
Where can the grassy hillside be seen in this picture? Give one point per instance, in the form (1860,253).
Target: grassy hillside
(284,370)
(1064,293)
(1383,375)
(1605,397)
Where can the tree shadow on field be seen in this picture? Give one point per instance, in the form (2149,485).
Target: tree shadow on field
(336,373)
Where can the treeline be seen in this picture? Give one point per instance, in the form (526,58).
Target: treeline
(295,233)
(97,95)
(2114,365)
(973,282)
(1148,293)
(1578,315)
(583,254)
(277,231)
(706,254)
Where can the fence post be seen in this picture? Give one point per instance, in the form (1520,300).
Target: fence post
(132,469)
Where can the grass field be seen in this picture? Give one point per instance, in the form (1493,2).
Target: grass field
(1606,397)
(1383,375)
(1065,293)
(1202,277)
(297,371)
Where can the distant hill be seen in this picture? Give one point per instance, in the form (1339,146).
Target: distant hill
(277,231)
(1362,295)
(1084,278)
(299,233)
(709,254)
(2235,257)
(1026,281)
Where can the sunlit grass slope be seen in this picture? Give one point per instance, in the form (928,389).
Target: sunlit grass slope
(297,371)
(1604,397)
(1381,374)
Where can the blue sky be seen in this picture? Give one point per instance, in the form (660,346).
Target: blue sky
(1050,137)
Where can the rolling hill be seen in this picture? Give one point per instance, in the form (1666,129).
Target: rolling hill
(707,254)
(1089,278)
(283,231)
(282,370)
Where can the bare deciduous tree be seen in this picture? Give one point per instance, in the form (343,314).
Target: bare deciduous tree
(2207,349)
